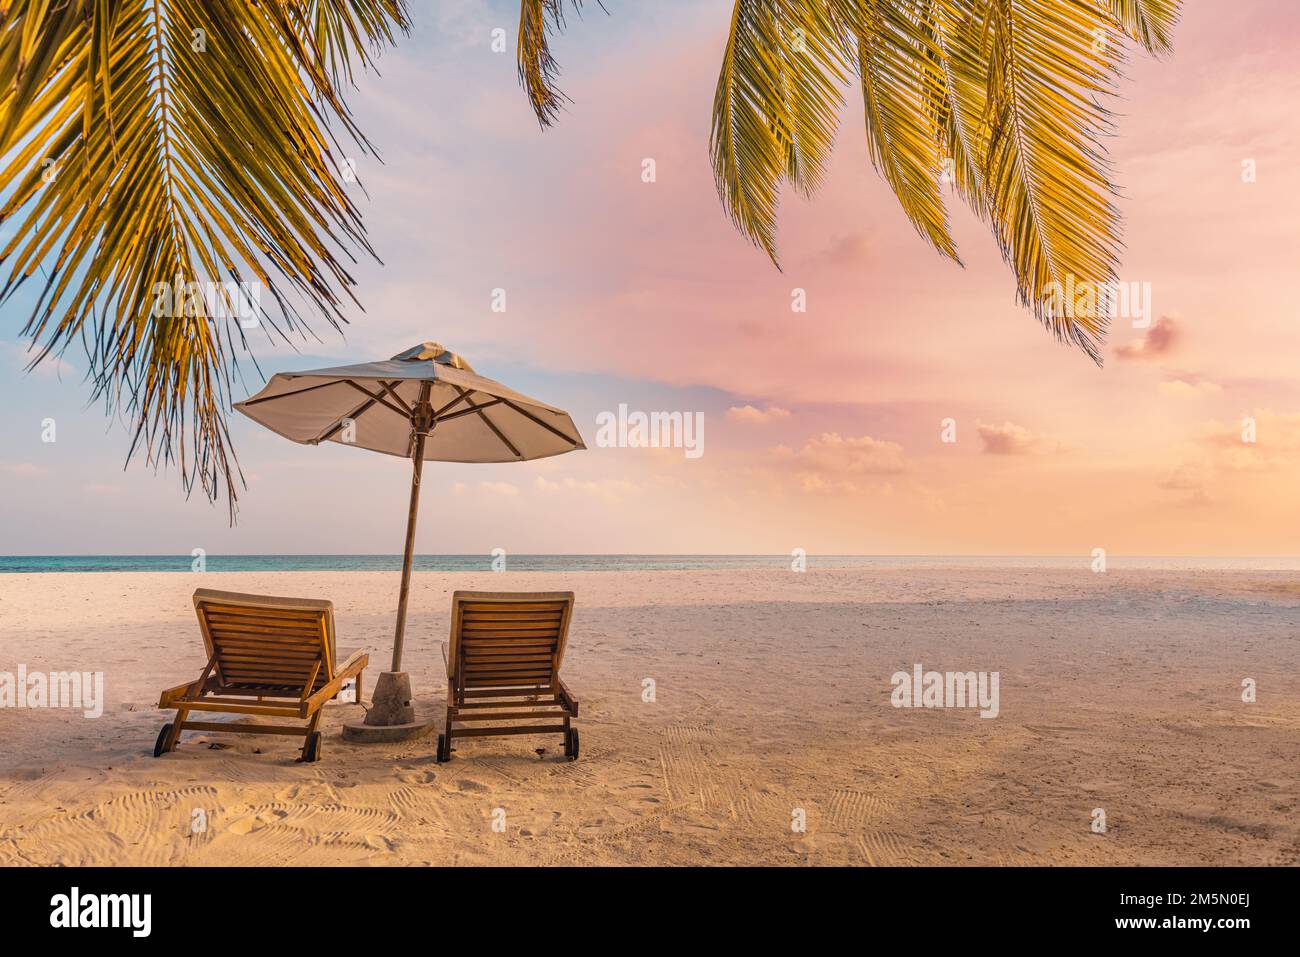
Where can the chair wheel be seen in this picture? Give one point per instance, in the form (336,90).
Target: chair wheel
(571,745)
(444,749)
(311,747)
(161,744)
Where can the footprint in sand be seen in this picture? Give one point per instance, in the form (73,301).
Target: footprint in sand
(539,825)
(412,800)
(317,792)
(256,822)
(104,830)
(413,776)
(851,809)
(884,849)
(682,733)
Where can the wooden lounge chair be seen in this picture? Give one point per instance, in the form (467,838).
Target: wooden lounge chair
(503,664)
(266,656)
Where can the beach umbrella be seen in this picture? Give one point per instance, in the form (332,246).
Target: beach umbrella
(425,404)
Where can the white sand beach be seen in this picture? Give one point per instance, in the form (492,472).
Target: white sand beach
(1119,691)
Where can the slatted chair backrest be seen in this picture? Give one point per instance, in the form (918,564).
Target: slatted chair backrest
(267,644)
(503,640)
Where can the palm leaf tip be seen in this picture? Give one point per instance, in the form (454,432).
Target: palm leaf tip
(1149,22)
(539,72)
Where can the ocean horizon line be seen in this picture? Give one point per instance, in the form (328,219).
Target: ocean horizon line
(197,561)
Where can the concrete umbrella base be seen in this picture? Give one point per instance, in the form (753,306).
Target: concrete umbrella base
(391,716)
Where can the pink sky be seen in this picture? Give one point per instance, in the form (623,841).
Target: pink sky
(621,291)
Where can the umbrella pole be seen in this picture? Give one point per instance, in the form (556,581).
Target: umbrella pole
(417,467)
(391,716)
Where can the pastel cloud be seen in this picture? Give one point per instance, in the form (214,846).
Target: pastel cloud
(833,462)
(753,416)
(1188,476)
(1161,339)
(1275,431)
(1006,439)
(20,356)
(1264,441)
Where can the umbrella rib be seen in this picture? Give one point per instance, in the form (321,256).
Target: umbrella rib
(550,428)
(390,387)
(488,422)
(454,402)
(355,414)
(285,395)
(379,398)
(471,410)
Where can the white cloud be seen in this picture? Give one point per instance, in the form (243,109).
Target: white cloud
(753,416)
(18,355)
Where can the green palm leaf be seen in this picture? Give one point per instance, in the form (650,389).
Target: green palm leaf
(164,145)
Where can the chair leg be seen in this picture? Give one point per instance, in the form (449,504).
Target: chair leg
(174,738)
(310,752)
(446,755)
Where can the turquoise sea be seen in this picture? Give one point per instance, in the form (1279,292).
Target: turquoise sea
(577,563)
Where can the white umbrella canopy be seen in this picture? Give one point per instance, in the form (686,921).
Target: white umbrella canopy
(372,405)
(425,404)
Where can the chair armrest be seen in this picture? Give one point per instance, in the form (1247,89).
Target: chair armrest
(346,669)
(351,668)
(169,697)
(191,689)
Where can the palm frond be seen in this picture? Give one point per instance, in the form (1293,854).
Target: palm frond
(962,73)
(339,33)
(776,108)
(903,93)
(539,20)
(1050,65)
(178,146)
(1149,22)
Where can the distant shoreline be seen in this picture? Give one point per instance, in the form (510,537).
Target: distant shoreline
(39,564)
